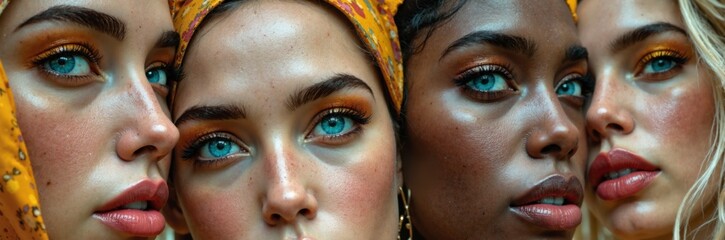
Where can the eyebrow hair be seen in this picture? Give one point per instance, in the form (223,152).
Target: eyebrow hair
(515,43)
(325,88)
(641,33)
(219,112)
(576,53)
(84,16)
(169,39)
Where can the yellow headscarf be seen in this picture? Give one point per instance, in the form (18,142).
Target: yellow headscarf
(373,21)
(19,206)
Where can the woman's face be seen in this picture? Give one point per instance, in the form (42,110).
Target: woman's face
(495,143)
(650,116)
(296,142)
(89,81)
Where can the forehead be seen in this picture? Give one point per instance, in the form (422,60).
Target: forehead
(607,19)
(283,45)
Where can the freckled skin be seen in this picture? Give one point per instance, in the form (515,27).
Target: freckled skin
(466,161)
(89,143)
(324,192)
(667,121)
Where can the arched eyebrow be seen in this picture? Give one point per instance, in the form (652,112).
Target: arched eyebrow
(641,33)
(517,44)
(325,88)
(86,17)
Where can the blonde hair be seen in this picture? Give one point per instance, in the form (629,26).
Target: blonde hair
(705,21)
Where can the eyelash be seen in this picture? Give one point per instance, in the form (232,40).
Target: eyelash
(191,150)
(674,55)
(356,114)
(83,49)
(469,75)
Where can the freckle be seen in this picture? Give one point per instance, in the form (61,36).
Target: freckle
(47,183)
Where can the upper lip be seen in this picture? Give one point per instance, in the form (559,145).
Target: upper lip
(553,186)
(154,192)
(615,160)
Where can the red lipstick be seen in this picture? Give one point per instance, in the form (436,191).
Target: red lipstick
(136,210)
(552,204)
(620,174)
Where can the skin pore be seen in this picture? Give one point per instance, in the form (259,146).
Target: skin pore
(297,141)
(89,80)
(495,111)
(653,100)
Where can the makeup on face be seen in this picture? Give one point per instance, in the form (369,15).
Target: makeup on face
(297,141)
(81,78)
(495,123)
(649,119)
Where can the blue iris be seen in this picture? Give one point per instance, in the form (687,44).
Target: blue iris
(488,82)
(571,88)
(156,76)
(659,65)
(334,125)
(64,64)
(218,148)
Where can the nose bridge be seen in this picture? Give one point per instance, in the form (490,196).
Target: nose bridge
(606,113)
(286,196)
(149,130)
(554,133)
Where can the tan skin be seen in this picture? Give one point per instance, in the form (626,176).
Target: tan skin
(277,171)
(653,99)
(468,155)
(97,127)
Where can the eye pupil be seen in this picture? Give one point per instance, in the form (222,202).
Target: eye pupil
(333,125)
(220,148)
(63,64)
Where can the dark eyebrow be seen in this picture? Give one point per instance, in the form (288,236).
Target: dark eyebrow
(641,33)
(325,88)
(169,39)
(219,112)
(576,53)
(515,43)
(84,16)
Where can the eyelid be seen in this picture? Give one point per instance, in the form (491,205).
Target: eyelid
(462,78)
(191,148)
(84,49)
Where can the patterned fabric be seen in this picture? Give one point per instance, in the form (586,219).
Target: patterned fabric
(19,207)
(373,21)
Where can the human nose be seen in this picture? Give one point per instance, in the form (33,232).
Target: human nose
(150,131)
(555,134)
(605,116)
(287,195)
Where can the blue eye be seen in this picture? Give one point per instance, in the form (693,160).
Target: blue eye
(334,124)
(218,148)
(570,88)
(488,82)
(68,64)
(157,76)
(659,65)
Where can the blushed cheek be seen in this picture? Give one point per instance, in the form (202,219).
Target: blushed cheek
(218,212)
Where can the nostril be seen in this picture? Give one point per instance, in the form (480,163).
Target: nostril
(550,149)
(276,217)
(305,212)
(143,150)
(615,127)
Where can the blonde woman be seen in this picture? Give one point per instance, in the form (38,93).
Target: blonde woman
(654,117)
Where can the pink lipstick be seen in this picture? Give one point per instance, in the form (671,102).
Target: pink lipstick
(136,210)
(620,174)
(552,204)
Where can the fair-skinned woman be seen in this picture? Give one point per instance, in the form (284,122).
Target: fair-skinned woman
(90,80)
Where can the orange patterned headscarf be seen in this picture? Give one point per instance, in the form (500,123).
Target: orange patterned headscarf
(373,21)
(19,206)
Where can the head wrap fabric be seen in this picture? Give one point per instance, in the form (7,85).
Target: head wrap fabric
(372,19)
(19,207)
(572,8)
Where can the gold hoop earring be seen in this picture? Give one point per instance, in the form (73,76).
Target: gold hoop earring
(405,198)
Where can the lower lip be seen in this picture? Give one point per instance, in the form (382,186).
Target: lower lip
(626,186)
(134,222)
(553,217)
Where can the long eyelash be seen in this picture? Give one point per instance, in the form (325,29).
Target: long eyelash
(675,55)
(84,49)
(192,148)
(465,77)
(356,114)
